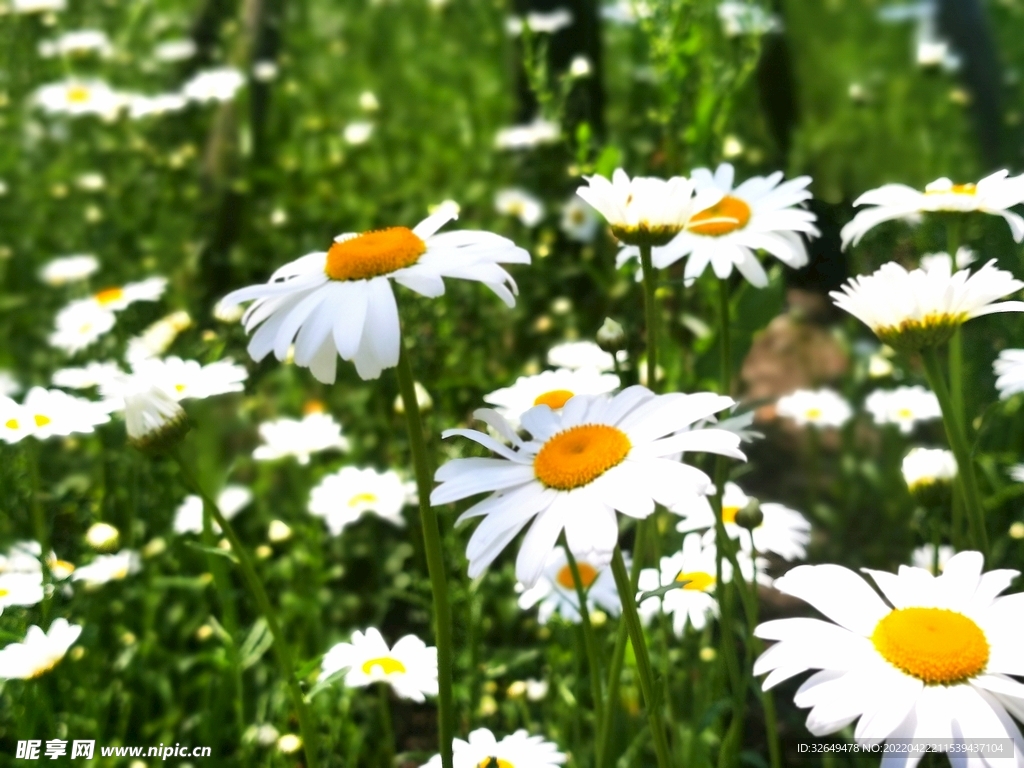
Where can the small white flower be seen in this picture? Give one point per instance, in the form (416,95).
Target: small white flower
(289,437)
(580,66)
(1016,472)
(556,589)
(527,136)
(923,307)
(214,85)
(78,42)
(579,222)
(923,467)
(182,379)
(20,588)
(140,106)
(79,325)
(995,194)
(95,374)
(520,750)
(521,204)
(581,354)
(107,568)
(817,408)
(39,652)
(47,413)
(175,50)
(342,498)
(278,531)
(924,557)
(1009,368)
(79,97)
(783,531)
(597,456)
(188,518)
(264,71)
(152,418)
(38,6)
(551,388)
(540,23)
(410,667)
(358,132)
(118,298)
(903,406)
(627,11)
(746,18)
(102,536)
(964,258)
(368,101)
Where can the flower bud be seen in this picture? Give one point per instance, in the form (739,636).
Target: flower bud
(154,422)
(751,516)
(610,336)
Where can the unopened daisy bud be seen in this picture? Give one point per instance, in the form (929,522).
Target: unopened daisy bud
(154,547)
(929,473)
(279,531)
(708,654)
(153,420)
(1017,530)
(423,399)
(102,536)
(289,743)
(517,689)
(750,516)
(537,690)
(610,336)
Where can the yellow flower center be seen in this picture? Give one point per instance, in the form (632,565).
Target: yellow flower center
(45,666)
(580,455)
(729,514)
(727,215)
(554,399)
(41,420)
(372,254)
(699,581)
(588,574)
(120,573)
(179,387)
(812,414)
(388,665)
(904,413)
(494,762)
(109,296)
(936,645)
(362,498)
(12,424)
(956,189)
(78,94)
(313,406)
(4,592)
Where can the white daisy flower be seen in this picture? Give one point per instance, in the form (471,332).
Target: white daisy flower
(79,97)
(818,408)
(68,269)
(1009,368)
(121,297)
(644,210)
(9,385)
(555,590)
(783,531)
(924,467)
(178,379)
(994,194)
(746,18)
(93,374)
(544,23)
(102,536)
(694,603)
(527,136)
(598,455)
(175,50)
(19,588)
(924,557)
(340,302)
(316,432)
(140,106)
(264,71)
(77,42)
(1016,472)
(107,568)
(357,132)
(39,652)
(38,6)
(730,225)
(520,750)
(79,325)
(213,85)
(550,388)
(92,181)
(153,419)
(343,497)
(923,307)
(582,354)
(903,406)
(964,258)
(157,338)
(410,667)
(26,556)
(579,222)
(188,518)
(47,413)
(933,662)
(521,204)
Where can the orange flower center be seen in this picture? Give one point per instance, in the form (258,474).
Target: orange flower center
(554,399)
(580,455)
(313,406)
(373,254)
(727,215)
(108,296)
(936,645)
(699,581)
(388,665)
(588,574)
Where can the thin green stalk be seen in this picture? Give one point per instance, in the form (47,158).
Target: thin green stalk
(957,437)
(725,340)
(650,317)
(631,618)
(591,646)
(282,651)
(387,731)
(435,558)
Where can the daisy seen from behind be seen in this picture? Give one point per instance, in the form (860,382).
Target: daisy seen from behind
(343,497)
(519,750)
(911,310)
(551,388)
(994,194)
(410,667)
(39,652)
(782,530)
(68,269)
(188,518)
(340,302)
(926,467)
(555,590)
(317,431)
(582,354)
(904,407)
(599,455)
(815,408)
(931,661)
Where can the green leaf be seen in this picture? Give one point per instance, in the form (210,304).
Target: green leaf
(255,644)
(661,591)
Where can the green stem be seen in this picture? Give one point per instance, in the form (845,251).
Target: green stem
(591,645)
(954,236)
(281,649)
(435,558)
(650,317)
(966,477)
(631,619)
(725,345)
(387,731)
